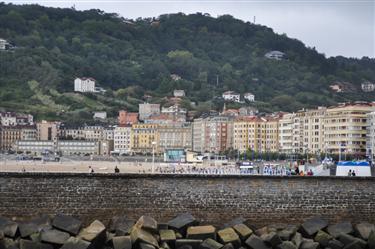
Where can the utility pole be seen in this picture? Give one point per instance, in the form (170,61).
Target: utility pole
(217,80)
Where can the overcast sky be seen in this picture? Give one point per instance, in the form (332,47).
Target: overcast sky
(333,27)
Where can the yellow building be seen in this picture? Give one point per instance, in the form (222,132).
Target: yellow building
(345,128)
(145,138)
(256,134)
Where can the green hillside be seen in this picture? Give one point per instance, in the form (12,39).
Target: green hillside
(131,58)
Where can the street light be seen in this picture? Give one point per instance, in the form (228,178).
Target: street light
(153,157)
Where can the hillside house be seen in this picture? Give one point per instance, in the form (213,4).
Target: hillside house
(231,96)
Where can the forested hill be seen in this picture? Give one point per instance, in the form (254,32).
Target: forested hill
(131,58)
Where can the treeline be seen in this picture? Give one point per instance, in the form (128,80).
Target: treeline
(212,55)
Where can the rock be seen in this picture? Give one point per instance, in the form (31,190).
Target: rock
(28,244)
(371,239)
(228,235)
(323,238)
(67,223)
(147,223)
(181,222)
(167,235)
(230,246)
(27,229)
(54,236)
(353,245)
(122,242)
(192,243)
(139,235)
(36,237)
(287,233)
(201,232)
(121,225)
(277,226)
(271,239)
(94,232)
(34,226)
(146,246)
(287,245)
(8,227)
(309,245)
(335,244)
(2,241)
(236,221)
(364,229)
(10,243)
(313,225)
(185,247)
(255,242)
(337,229)
(165,245)
(163,226)
(347,239)
(243,231)
(210,244)
(75,243)
(297,239)
(179,235)
(262,231)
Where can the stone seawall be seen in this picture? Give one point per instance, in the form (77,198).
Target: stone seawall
(212,199)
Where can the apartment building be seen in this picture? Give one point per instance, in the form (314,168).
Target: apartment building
(146,110)
(345,128)
(122,140)
(213,134)
(175,136)
(145,138)
(48,131)
(126,118)
(63,147)
(370,135)
(241,132)
(84,85)
(286,133)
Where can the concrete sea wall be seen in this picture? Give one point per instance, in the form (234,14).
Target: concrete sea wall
(212,199)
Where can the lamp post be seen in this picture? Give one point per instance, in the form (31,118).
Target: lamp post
(153,157)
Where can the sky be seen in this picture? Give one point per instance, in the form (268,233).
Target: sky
(333,27)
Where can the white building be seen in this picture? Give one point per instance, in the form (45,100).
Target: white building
(179,93)
(370,135)
(64,147)
(249,96)
(3,44)
(100,115)
(368,86)
(122,140)
(231,96)
(146,110)
(84,85)
(275,55)
(286,124)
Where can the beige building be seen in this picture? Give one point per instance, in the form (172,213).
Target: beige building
(48,131)
(175,136)
(256,134)
(345,128)
(213,134)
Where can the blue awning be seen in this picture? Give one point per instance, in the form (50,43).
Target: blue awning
(353,163)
